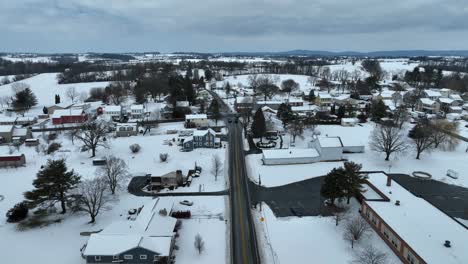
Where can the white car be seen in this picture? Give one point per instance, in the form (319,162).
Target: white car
(186,202)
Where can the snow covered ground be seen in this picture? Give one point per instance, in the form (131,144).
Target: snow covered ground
(436,162)
(208,212)
(296,240)
(45,86)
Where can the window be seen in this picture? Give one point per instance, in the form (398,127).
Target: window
(128,256)
(97,258)
(410,257)
(143,257)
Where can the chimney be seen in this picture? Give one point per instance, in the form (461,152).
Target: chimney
(447,243)
(397,203)
(389,181)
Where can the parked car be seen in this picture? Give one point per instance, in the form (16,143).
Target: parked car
(186,202)
(229,121)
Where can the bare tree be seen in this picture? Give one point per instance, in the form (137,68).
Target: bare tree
(370,255)
(266,85)
(93,135)
(355,229)
(91,197)
(114,172)
(341,215)
(5,100)
(253,82)
(295,128)
(83,96)
(422,138)
(388,139)
(441,129)
(289,86)
(117,92)
(72,93)
(199,244)
(72,135)
(311,80)
(217,166)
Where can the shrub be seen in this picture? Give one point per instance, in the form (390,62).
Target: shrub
(52,136)
(163,157)
(17,213)
(181,214)
(53,147)
(135,148)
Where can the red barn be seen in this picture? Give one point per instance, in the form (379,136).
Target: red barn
(68,116)
(12,160)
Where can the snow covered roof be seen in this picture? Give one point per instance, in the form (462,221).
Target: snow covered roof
(149,230)
(137,107)
(349,120)
(455,97)
(432,93)
(330,142)
(182,104)
(20,132)
(198,116)
(446,100)
(201,133)
(427,101)
(67,112)
(304,108)
(324,96)
(6,128)
(113,108)
(289,153)
(424,227)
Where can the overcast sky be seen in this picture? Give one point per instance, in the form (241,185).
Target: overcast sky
(231,25)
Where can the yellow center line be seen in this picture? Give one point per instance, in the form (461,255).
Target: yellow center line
(241,212)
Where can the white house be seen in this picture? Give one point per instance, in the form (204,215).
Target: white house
(428,106)
(137,111)
(113,111)
(197,120)
(431,94)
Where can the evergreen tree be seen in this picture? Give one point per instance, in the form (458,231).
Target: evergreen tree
(284,113)
(24,99)
(341,111)
(333,109)
(312,96)
(332,185)
(378,110)
(45,110)
(259,124)
(57,99)
(353,180)
(189,91)
(227,89)
(214,110)
(208,75)
(52,185)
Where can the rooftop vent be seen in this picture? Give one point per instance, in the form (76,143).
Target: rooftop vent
(397,202)
(447,243)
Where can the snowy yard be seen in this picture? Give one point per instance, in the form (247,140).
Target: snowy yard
(436,162)
(294,240)
(208,211)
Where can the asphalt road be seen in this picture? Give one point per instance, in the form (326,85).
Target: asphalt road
(244,248)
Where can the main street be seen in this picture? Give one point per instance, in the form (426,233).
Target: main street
(244,247)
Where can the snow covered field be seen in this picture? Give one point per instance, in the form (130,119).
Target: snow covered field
(296,240)
(45,86)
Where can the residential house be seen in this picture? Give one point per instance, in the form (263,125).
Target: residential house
(394,213)
(137,111)
(6,133)
(51,109)
(308,109)
(69,116)
(113,111)
(20,134)
(294,102)
(244,103)
(324,100)
(329,148)
(146,236)
(169,180)
(449,105)
(201,139)
(182,104)
(428,106)
(126,130)
(431,94)
(12,160)
(196,120)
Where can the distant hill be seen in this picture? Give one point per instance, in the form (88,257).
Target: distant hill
(392,53)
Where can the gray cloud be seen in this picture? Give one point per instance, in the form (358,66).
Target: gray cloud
(222,25)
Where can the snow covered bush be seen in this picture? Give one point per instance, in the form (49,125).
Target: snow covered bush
(17,213)
(135,148)
(53,147)
(163,157)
